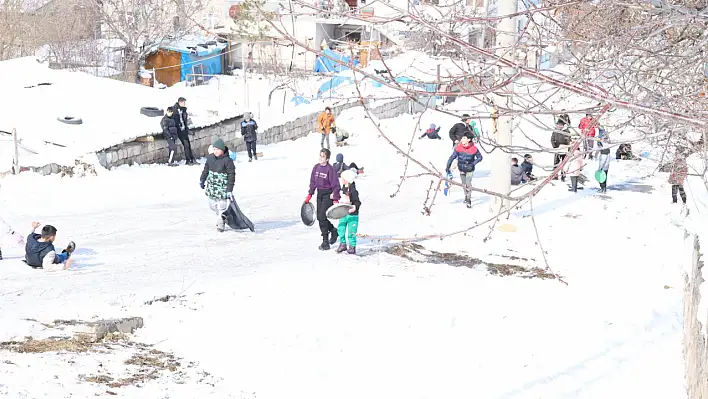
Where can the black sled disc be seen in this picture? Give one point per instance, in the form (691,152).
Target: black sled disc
(307,214)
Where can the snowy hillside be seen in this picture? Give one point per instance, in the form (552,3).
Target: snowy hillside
(266,315)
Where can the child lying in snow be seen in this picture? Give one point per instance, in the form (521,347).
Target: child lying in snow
(40,252)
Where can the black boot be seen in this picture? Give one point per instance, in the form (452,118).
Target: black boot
(0,254)
(69,248)
(333,236)
(324,246)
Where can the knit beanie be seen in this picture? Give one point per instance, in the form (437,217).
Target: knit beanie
(340,158)
(219,143)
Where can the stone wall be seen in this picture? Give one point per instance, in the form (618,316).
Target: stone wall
(694,334)
(229,130)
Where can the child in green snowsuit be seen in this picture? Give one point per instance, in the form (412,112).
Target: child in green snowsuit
(349,224)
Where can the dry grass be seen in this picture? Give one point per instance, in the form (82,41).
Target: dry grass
(45,345)
(417,253)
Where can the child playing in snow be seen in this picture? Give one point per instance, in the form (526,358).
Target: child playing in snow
(324,179)
(468,156)
(573,168)
(349,224)
(432,133)
(603,163)
(40,252)
(679,171)
(527,167)
(517,174)
(218,175)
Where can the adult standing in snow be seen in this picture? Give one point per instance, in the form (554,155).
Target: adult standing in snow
(588,128)
(468,156)
(325,125)
(679,171)
(181,118)
(603,164)
(169,130)
(560,138)
(218,176)
(249,131)
(40,252)
(464,128)
(324,179)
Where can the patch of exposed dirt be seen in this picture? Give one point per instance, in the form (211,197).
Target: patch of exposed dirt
(418,253)
(59,344)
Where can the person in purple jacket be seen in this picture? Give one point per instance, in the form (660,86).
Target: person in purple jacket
(325,180)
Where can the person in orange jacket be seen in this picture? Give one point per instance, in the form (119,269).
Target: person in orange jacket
(325,125)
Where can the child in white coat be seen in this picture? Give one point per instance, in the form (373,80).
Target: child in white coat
(603,163)
(573,168)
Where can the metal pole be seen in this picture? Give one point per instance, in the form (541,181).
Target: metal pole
(501,160)
(16,159)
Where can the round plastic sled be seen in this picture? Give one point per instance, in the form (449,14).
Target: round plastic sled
(338,211)
(307,214)
(600,176)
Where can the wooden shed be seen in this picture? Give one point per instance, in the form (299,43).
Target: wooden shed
(167,65)
(186,58)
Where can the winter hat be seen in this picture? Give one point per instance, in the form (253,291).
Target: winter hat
(432,126)
(349,175)
(340,158)
(219,143)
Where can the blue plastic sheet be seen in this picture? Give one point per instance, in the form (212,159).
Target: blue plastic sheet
(299,100)
(323,64)
(211,63)
(331,84)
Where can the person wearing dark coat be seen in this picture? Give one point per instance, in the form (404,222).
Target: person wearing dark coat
(527,167)
(468,156)
(249,131)
(560,136)
(169,130)
(432,133)
(40,251)
(324,179)
(218,178)
(179,114)
(340,166)
(517,174)
(463,128)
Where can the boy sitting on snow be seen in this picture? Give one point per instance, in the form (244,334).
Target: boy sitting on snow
(218,175)
(340,166)
(349,224)
(432,133)
(40,252)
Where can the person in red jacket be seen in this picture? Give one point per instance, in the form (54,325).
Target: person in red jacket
(588,126)
(468,156)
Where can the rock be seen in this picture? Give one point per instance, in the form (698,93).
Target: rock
(97,330)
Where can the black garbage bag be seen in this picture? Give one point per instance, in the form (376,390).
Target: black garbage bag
(236,219)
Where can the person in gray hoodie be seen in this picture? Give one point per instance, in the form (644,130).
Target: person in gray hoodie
(517,174)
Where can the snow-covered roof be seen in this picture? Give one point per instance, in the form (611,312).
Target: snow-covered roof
(195,44)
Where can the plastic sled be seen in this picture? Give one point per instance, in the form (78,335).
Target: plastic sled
(338,211)
(307,214)
(446,190)
(600,176)
(236,219)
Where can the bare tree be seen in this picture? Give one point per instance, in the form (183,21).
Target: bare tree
(144,24)
(16,39)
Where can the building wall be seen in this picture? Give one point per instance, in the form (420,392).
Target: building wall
(228,130)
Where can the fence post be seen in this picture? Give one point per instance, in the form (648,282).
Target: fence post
(16,158)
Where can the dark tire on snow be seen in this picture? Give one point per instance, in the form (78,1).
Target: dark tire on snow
(70,120)
(152,111)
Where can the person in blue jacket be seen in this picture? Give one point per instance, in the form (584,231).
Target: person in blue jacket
(468,156)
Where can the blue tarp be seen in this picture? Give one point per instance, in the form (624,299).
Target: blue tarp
(323,64)
(211,63)
(299,100)
(331,84)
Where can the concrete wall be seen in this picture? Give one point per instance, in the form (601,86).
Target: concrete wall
(694,333)
(229,130)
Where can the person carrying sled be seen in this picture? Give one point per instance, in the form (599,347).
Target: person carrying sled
(603,164)
(465,128)
(324,179)
(40,252)
(468,156)
(182,119)
(249,131)
(349,224)
(325,125)
(169,130)
(679,171)
(432,133)
(218,176)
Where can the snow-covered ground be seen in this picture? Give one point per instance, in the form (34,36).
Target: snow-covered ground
(267,315)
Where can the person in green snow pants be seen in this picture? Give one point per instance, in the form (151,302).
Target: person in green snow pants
(349,224)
